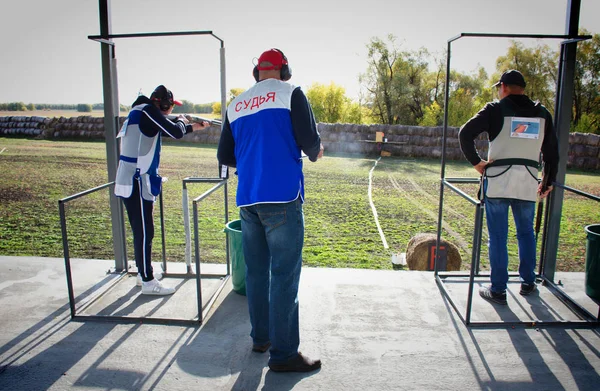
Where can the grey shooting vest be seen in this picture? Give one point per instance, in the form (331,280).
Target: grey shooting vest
(515,153)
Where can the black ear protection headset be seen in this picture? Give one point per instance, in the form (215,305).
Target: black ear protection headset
(165,104)
(285,72)
(164,97)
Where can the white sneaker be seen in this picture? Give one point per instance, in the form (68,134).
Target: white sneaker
(156,288)
(157,275)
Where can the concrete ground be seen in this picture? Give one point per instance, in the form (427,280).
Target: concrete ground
(373,330)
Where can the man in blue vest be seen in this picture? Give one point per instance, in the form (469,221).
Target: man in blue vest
(137,181)
(265,131)
(518,130)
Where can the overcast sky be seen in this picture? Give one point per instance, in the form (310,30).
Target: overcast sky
(47,57)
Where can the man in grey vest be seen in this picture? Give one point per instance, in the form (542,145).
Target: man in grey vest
(518,130)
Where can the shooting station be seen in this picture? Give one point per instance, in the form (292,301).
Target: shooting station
(95,306)
(384,329)
(548,216)
(581,318)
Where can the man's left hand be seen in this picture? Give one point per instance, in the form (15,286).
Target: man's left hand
(200,125)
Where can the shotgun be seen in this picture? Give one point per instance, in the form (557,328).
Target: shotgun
(540,209)
(194,118)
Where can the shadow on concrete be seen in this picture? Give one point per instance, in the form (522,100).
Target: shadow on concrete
(567,348)
(541,374)
(37,332)
(226,356)
(42,370)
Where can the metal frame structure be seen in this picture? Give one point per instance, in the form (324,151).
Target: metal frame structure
(546,271)
(225,277)
(111,110)
(111,125)
(202,311)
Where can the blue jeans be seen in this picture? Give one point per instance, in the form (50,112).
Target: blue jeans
(496,212)
(272,240)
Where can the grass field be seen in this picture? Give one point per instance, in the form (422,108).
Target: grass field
(340,227)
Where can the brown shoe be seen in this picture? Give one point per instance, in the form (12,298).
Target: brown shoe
(299,363)
(261,348)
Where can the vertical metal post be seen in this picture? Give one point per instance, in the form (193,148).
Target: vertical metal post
(63,229)
(227,233)
(223,85)
(111,123)
(197,250)
(186,227)
(162,232)
(474,258)
(564,105)
(443,165)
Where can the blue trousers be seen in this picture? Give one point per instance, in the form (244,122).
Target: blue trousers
(141,220)
(496,212)
(272,240)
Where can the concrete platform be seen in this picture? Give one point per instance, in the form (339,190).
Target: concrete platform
(374,330)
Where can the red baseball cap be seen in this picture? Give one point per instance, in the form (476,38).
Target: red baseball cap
(273,56)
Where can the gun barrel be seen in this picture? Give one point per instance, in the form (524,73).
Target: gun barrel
(196,118)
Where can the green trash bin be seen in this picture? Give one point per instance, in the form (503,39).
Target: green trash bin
(592,261)
(236,256)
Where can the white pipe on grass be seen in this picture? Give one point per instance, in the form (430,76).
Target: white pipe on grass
(385,245)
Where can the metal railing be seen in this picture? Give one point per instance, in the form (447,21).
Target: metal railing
(76,313)
(219,182)
(587,320)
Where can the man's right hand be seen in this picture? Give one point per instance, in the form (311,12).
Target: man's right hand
(321,150)
(480,167)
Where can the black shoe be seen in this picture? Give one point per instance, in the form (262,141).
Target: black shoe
(261,348)
(299,363)
(498,298)
(527,289)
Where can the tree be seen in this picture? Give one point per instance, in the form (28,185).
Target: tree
(16,106)
(186,107)
(216,108)
(379,79)
(539,66)
(586,94)
(331,105)
(432,115)
(399,83)
(203,108)
(84,108)
(328,102)
(233,93)
(469,93)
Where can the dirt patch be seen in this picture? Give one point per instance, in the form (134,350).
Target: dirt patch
(15,195)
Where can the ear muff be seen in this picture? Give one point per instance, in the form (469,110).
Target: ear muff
(163,97)
(165,104)
(285,73)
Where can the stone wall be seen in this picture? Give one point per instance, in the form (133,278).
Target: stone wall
(402,141)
